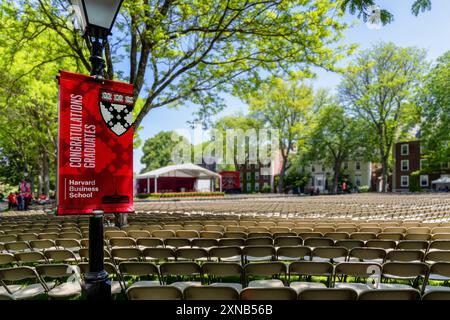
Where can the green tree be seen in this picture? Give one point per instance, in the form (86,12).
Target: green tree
(379,89)
(28,100)
(158,150)
(235,130)
(362,8)
(190,51)
(283,106)
(335,137)
(434,100)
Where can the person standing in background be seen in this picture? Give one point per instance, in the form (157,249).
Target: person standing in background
(12,201)
(20,201)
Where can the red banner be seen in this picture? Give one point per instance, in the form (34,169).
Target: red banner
(95,151)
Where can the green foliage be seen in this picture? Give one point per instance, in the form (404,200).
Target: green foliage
(190,51)
(159,150)
(283,106)
(379,88)
(414,181)
(334,137)
(364,189)
(434,100)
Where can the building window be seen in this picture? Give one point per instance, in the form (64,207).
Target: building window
(424,181)
(249,187)
(422,163)
(256,186)
(405,165)
(444,165)
(404,181)
(249,176)
(358,180)
(358,165)
(323,168)
(405,150)
(256,176)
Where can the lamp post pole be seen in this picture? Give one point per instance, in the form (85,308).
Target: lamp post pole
(96,18)
(97,283)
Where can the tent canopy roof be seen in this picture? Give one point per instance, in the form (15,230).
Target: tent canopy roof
(185,170)
(444,179)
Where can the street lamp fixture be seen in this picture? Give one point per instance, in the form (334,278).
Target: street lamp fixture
(96,18)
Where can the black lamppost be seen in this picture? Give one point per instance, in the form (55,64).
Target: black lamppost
(96,18)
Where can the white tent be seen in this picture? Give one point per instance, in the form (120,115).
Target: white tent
(185,170)
(442,181)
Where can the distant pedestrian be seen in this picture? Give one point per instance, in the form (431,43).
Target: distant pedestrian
(12,201)
(27,200)
(20,201)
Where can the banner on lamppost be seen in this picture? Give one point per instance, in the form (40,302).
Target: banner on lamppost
(95,145)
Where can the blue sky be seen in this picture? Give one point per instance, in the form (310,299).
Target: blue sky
(430,30)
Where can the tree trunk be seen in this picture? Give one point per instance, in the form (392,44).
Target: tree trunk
(41,178)
(384,175)
(46,172)
(281,179)
(336,175)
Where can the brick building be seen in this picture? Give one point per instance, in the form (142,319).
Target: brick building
(408,158)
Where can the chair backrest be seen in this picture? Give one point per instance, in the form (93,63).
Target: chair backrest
(264,269)
(222,269)
(258,251)
(139,269)
(138,234)
(126,253)
(318,242)
(177,242)
(288,241)
(204,243)
(225,252)
(350,243)
(328,294)
(268,294)
(122,242)
(159,253)
(298,252)
(6,259)
(226,242)
(356,269)
(210,293)
(30,257)
(187,234)
(367,253)
(329,252)
(191,253)
(437,256)
(390,236)
(154,293)
(437,295)
(383,244)
(179,269)
(390,294)
(413,245)
(440,245)
(17,246)
(405,270)
(260,241)
(149,242)
(60,255)
(405,255)
(363,236)
(311,268)
(337,235)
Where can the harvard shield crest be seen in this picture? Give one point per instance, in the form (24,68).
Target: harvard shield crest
(117,111)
